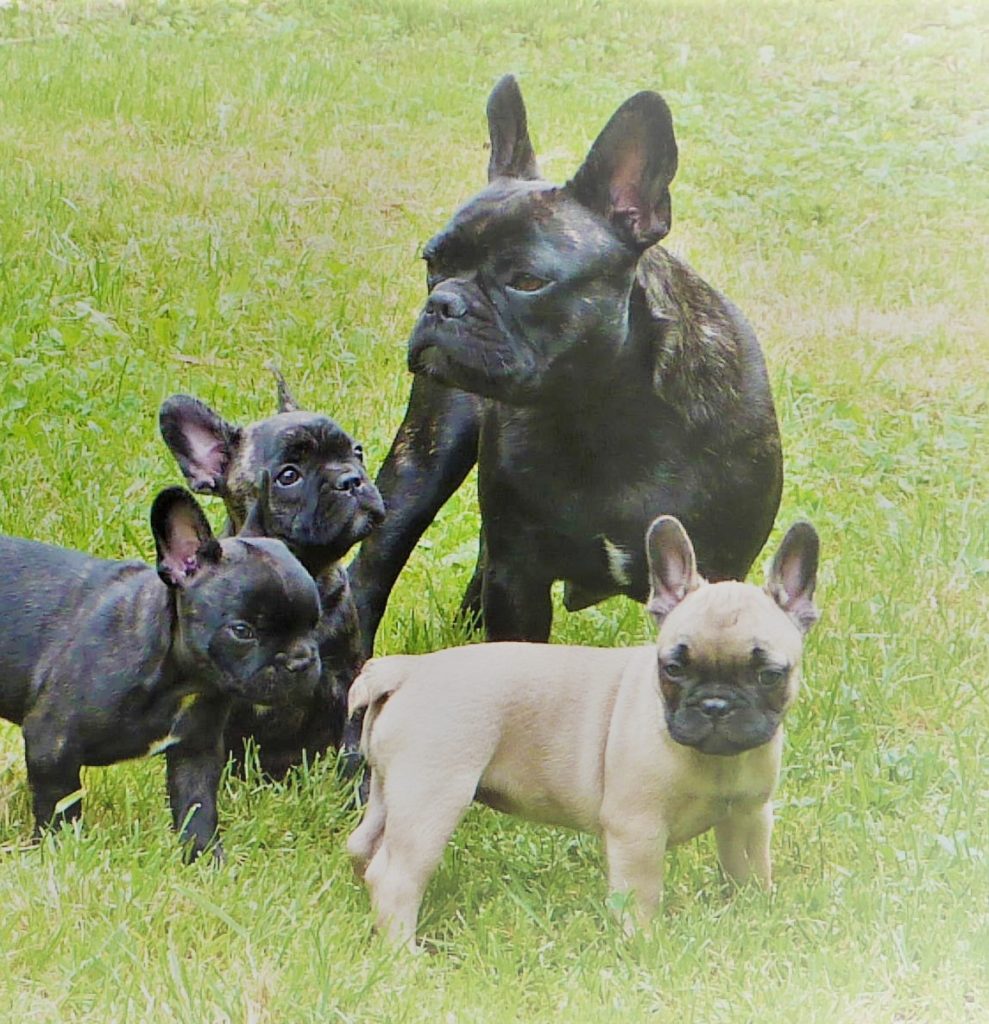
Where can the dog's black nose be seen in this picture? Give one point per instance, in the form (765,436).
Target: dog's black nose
(446,305)
(348,482)
(715,707)
(299,657)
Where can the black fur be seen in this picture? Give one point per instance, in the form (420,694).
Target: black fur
(596,380)
(101,661)
(320,502)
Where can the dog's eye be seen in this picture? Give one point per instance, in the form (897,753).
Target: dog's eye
(241,631)
(359,451)
(434,272)
(771,676)
(288,475)
(675,671)
(527,283)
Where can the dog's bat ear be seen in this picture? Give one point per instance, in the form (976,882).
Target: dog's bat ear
(184,540)
(626,176)
(672,566)
(793,575)
(286,400)
(202,442)
(511,150)
(258,518)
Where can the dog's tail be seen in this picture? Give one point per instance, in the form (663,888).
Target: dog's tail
(378,680)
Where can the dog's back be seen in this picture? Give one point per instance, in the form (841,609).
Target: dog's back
(510,710)
(43,593)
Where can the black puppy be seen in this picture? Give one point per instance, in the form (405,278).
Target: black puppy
(595,379)
(320,502)
(102,661)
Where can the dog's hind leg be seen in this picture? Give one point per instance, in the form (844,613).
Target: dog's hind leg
(53,764)
(421,816)
(470,613)
(366,838)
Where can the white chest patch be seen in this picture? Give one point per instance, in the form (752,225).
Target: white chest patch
(171,737)
(163,744)
(618,560)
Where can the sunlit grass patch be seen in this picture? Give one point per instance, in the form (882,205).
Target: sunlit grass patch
(189,189)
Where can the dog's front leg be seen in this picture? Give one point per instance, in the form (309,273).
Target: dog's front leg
(434,449)
(193,781)
(635,869)
(743,845)
(341,660)
(194,765)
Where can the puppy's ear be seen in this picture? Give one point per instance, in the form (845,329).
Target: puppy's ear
(627,174)
(256,523)
(184,540)
(793,575)
(286,400)
(202,442)
(511,150)
(672,566)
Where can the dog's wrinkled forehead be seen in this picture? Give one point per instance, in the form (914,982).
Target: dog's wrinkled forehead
(727,622)
(277,584)
(296,437)
(517,214)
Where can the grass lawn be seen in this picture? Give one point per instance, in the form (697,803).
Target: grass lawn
(190,189)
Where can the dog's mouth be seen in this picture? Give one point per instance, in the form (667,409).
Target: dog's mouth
(719,745)
(317,554)
(326,536)
(426,357)
(274,686)
(475,366)
(733,731)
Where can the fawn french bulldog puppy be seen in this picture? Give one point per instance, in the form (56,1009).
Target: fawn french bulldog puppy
(101,661)
(320,502)
(646,746)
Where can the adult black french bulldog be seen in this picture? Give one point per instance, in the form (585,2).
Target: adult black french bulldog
(101,661)
(593,377)
(320,502)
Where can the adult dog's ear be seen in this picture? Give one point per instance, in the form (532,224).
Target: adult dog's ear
(793,575)
(672,566)
(184,540)
(627,173)
(511,150)
(202,442)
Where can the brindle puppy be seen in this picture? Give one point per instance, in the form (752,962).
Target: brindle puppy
(320,502)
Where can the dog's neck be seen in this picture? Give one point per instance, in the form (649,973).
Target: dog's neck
(694,346)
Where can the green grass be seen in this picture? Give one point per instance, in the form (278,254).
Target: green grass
(190,189)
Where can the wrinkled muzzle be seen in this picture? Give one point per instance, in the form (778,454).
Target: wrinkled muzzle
(290,678)
(347,509)
(722,724)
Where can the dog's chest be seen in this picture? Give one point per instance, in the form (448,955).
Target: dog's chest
(137,727)
(700,800)
(578,495)
(575,508)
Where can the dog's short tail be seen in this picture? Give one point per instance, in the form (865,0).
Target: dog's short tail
(377,681)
